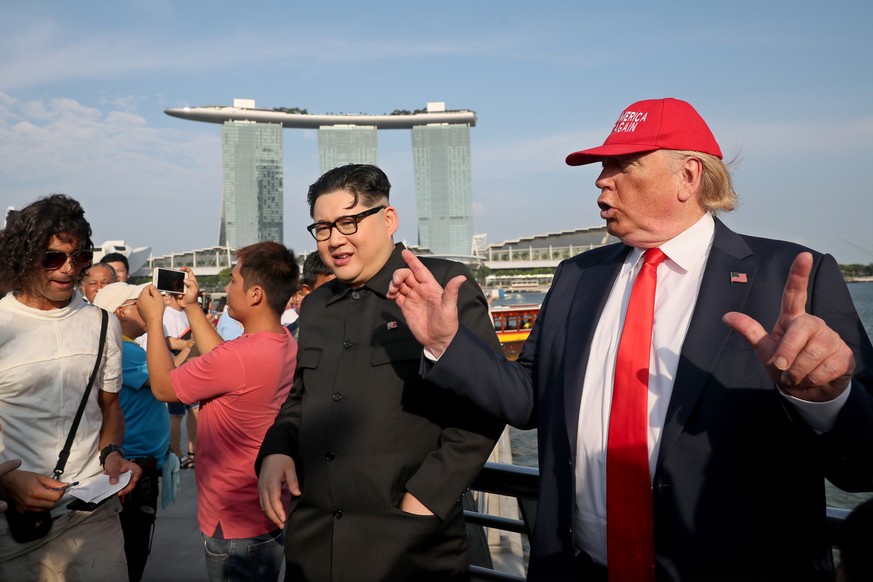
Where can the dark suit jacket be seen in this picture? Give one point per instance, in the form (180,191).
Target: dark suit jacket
(364,428)
(738,488)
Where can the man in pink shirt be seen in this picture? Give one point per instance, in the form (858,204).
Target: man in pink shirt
(240,385)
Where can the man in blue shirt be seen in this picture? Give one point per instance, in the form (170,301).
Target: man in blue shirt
(147,426)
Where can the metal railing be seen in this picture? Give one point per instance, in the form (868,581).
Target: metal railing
(523,483)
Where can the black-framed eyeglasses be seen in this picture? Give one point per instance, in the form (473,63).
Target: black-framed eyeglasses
(344,224)
(54,260)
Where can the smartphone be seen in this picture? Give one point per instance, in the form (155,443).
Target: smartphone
(169,280)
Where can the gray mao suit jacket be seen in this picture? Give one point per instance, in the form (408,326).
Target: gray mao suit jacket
(364,428)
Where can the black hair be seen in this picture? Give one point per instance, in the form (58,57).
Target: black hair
(116,258)
(313,267)
(271,266)
(28,233)
(367,184)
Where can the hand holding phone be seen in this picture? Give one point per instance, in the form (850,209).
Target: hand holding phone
(169,280)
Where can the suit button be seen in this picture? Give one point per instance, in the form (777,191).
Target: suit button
(356,295)
(337,397)
(347,344)
(569,532)
(329,456)
(337,514)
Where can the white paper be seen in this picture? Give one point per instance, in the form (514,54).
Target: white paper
(98,489)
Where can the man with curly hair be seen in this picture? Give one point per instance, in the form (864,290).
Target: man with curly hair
(49,339)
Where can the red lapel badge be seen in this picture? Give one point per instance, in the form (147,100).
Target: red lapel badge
(391,325)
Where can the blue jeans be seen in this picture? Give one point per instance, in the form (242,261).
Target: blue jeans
(257,559)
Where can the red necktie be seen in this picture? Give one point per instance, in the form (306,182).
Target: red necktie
(630,539)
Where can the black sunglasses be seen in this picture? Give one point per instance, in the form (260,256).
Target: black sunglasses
(54,260)
(344,224)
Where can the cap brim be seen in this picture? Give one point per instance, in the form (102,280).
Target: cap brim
(593,155)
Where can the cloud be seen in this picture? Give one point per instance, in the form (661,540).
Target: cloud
(46,52)
(136,182)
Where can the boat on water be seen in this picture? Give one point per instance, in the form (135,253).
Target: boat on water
(513,324)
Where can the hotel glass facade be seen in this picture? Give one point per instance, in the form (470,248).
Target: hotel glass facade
(444,187)
(252,198)
(339,145)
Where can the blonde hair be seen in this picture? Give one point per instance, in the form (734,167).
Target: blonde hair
(716,185)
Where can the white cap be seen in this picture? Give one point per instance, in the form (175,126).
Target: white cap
(114,295)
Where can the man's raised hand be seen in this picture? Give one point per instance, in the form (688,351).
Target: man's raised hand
(805,358)
(430,311)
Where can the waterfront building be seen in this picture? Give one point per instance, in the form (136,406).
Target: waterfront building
(541,250)
(252,146)
(339,145)
(443,187)
(252,195)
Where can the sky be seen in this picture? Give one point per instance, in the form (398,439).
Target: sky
(787,89)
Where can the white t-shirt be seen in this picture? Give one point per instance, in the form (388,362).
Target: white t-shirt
(175,325)
(289,316)
(46,358)
(175,322)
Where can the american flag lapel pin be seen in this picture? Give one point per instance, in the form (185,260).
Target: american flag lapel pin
(391,325)
(738,277)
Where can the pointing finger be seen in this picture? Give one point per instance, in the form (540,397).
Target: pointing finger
(794,295)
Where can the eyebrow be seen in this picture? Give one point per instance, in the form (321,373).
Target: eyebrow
(341,216)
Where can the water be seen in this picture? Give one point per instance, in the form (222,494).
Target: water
(524,443)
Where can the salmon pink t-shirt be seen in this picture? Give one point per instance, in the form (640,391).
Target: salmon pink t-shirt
(240,385)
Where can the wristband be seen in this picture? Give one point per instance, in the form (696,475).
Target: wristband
(108,450)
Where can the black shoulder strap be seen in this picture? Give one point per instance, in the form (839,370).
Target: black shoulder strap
(65,453)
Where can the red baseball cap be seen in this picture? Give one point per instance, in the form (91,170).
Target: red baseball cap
(654,124)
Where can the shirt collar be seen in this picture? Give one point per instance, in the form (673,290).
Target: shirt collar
(379,282)
(685,249)
(73,307)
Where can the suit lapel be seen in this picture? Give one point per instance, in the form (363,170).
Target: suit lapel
(592,290)
(707,334)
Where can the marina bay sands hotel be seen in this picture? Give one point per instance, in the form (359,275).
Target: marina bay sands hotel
(252,149)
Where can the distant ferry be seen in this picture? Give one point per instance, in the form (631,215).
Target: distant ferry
(513,324)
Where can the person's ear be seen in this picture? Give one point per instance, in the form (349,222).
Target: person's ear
(256,295)
(690,178)
(392,221)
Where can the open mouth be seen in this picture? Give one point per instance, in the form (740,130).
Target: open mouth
(341,259)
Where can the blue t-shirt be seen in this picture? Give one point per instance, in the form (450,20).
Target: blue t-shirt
(227,327)
(146,420)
